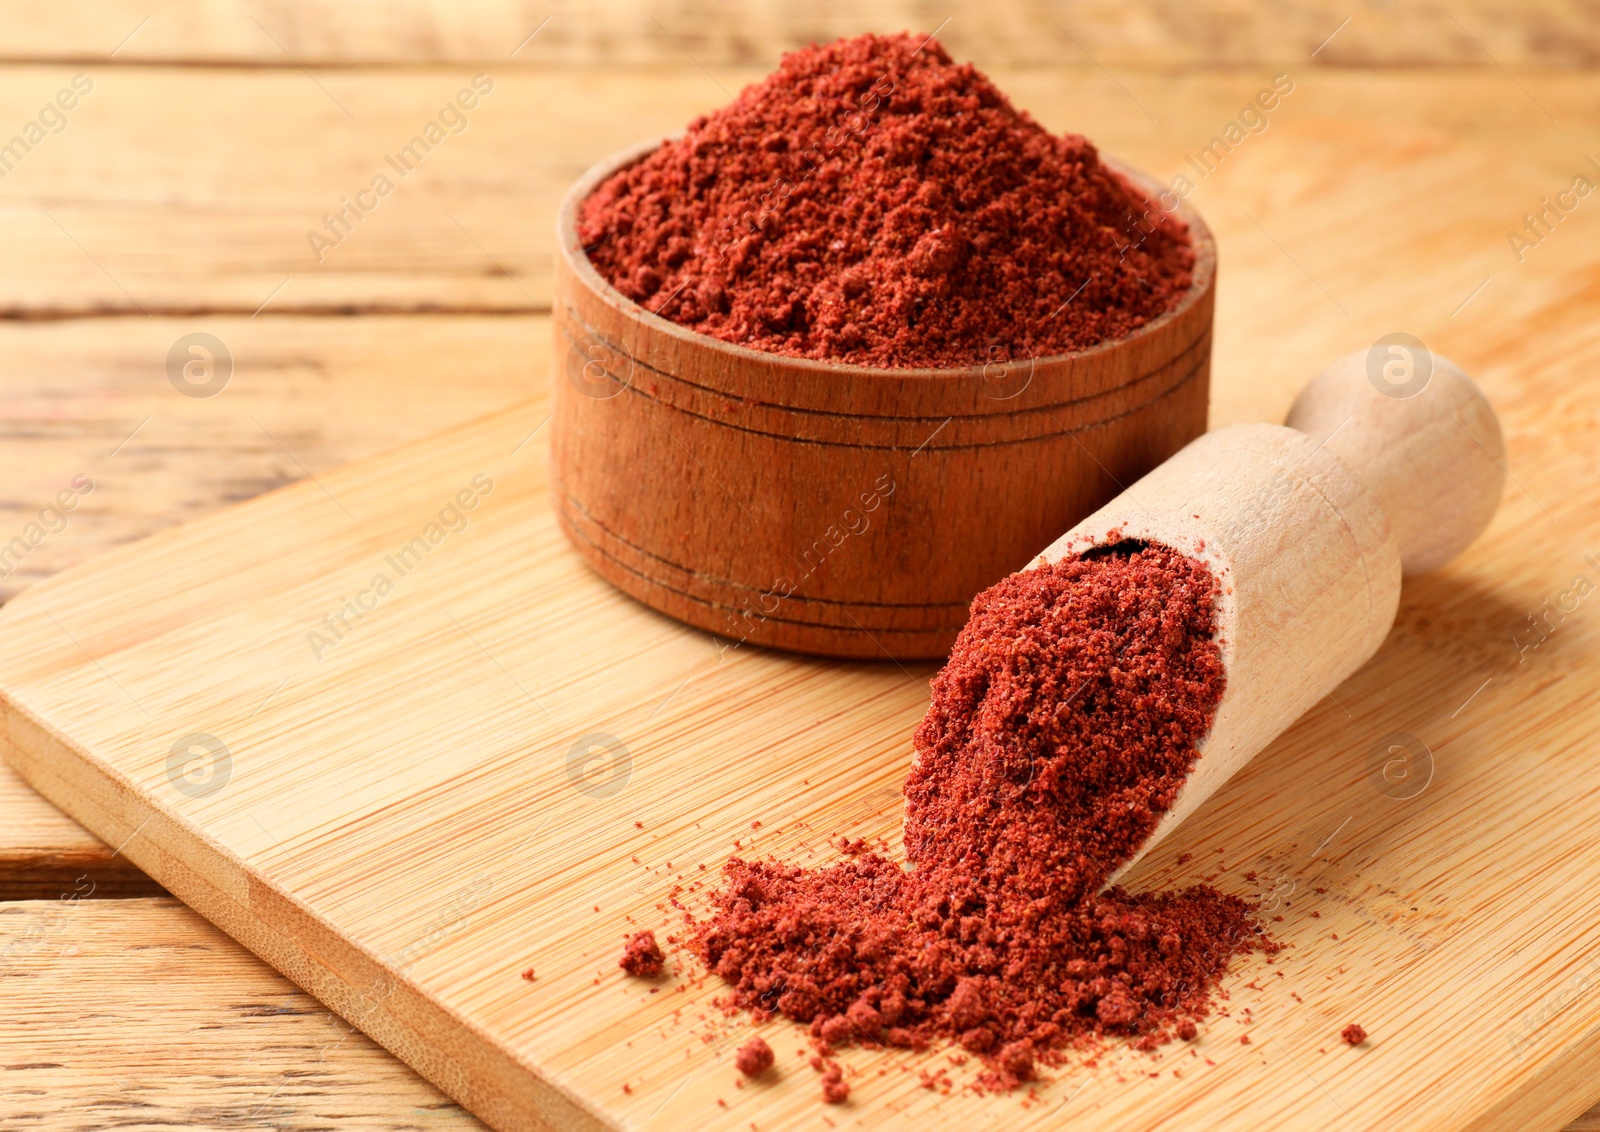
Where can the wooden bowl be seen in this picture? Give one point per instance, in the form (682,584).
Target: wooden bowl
(838,509)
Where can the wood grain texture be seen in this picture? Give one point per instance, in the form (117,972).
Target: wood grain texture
(407,828)
(93,398)
(764,497)
(1560,33)
(184,189)
(137,1014)
(1395,192)
(45,855)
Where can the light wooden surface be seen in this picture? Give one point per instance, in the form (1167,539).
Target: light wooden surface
(1560,33)
(45,854)
(92,397)
(86,982)
(155,198)
(406,815)
(1455,158)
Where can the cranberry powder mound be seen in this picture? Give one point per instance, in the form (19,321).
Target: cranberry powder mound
(873,202)
(1061,728)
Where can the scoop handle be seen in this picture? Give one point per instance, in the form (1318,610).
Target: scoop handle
(1420,436)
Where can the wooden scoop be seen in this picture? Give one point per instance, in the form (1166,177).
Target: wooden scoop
(1309,528)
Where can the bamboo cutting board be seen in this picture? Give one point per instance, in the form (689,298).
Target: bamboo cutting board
(405,792)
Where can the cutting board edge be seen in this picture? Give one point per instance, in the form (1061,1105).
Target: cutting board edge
(1566,1088)
(37,761)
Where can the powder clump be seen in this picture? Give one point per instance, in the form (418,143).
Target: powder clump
(835,1090)
(876,203)
(1060,729)
(642,956)
(754,1057)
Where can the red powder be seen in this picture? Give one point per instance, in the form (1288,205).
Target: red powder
(642,956)
(1353,1034)
(1061,727)
(873,202)
(834,1088)
(754,1057)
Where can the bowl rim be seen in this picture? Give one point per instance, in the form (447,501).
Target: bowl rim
(1202,283)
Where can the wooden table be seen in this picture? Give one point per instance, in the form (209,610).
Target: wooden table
(177,199)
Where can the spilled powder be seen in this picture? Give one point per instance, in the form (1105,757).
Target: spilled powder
(835,1090)
(641,956)
(754,1057)
(1060,729)
(873,202)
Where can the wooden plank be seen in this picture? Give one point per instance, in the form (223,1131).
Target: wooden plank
(91,401)
(1520,294)
(1011,32)
(137,1014)
(419,770)
(125,211)
(45,855)
(203,1030)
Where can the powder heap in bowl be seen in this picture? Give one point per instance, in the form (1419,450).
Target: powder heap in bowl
(873,202)
(1062,727)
